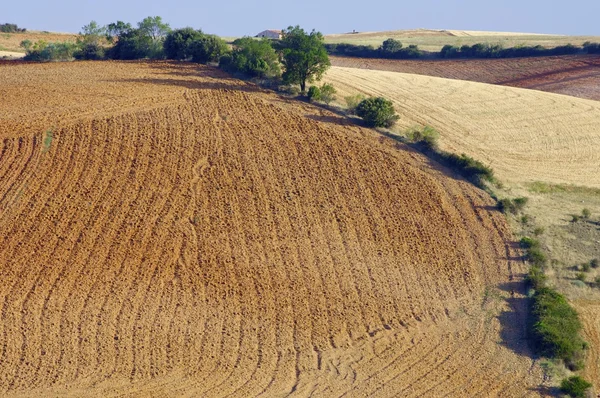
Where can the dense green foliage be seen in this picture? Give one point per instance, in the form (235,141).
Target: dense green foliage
(90,42)
(575,386)
(44,52)
(11,28)
(377,112)
(325,93)
(303,56)
(208,48)
(314,93)
(393,49)
(555,328)
(473,170)
(134,44)
(512,206)
(389,49)
(178,43)
(116,29)
(253,58)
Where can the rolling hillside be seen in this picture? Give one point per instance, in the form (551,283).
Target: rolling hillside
(525,135)
(167,231)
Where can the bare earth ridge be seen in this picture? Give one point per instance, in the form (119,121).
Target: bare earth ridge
(167,231)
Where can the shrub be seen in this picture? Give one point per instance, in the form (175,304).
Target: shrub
(575,386)
(539,231)
(556,327)
(254,58)
(536,278)
(586,267)
(580,276)
(575,218)
(594,263)
(135,44)
(470,168)
(377,112)
(352,102)
(536,256)
(314,93)
(328,93)
(586,213)
(427,137)
(89,51)
(512,206)
(527,243)
(178,43)
(10,28)
(209,48)
(45,52)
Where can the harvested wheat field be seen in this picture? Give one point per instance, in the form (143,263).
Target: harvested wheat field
(525,135)
(167,231)
(12,41)
(435,39)
(576,75)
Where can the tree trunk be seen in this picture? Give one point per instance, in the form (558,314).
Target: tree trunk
(303,86)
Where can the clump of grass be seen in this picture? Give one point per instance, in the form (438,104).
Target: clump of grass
(586,213)
(536,278)
(594,263)
(585,267)
(352,102)
(512,206)
(575,218)
(539,231)
(49,136)
(527,243)
(525,218)
(581,276)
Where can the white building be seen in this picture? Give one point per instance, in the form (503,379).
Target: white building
(270,34)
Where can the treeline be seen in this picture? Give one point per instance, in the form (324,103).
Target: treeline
(11,28)
(393,49)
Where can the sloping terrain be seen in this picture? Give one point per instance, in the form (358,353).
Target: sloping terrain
(12,41)
(525,135)
(165,231)
(435,39)
(576,75)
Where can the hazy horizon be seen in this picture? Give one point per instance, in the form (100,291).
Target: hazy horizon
(237,18)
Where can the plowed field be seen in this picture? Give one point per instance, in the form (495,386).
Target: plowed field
(165,231)
(12,41)
(576,75)
(525,135)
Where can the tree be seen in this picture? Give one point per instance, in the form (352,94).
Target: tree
(117,29)
(303,56)
(133,44)
(255,58)
(154,27)
(178,43)
(377,112)
(389,47)
(208,48)
(90,43)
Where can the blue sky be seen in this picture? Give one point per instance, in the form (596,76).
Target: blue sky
(238,18)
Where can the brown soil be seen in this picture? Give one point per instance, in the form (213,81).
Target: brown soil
(576,75)
(166,231)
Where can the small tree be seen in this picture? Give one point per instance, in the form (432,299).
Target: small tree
(389,47)
(178,43)
(575,386)
(208,48)
(255,58)
(328,93)
(117,29)
(90,42)
(314,93)
(303,56)
(377,112)
(154,27)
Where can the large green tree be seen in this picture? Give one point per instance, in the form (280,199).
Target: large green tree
(179,43)
(303,56)
(154,27)
(255,58)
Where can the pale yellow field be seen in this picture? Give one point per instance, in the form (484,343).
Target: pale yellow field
(435,39)
(524,135)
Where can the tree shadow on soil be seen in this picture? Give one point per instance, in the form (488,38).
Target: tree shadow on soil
(513,325)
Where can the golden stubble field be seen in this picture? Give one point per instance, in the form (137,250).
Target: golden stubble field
(166,231)
(541,145)
(435,39)
(524,135)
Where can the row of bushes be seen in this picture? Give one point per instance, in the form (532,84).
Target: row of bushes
(11,28)
(471,169)
(485,50)
(362,51)
(393,49)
